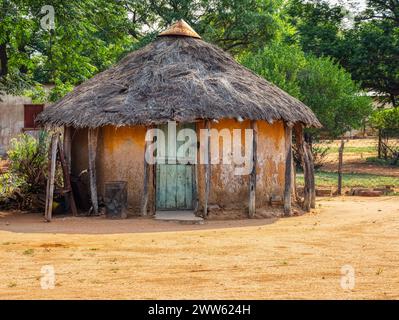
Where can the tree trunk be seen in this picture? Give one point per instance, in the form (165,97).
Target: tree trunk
(288,170)
(3,60)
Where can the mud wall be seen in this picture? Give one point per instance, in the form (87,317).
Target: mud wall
(11,119)
(120,156)
(231,191)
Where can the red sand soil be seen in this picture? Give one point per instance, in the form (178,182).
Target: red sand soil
(293,258)
(355,162)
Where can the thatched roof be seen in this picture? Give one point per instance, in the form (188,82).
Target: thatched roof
(176,77)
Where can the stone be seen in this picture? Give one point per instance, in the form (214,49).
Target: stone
(323,192)
(370,193)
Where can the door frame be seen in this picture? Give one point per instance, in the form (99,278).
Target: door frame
(194,178)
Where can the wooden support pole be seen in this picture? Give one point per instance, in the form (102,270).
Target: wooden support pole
(294,188)
(207,167)
(92,138)
(146,179)
(340,164)
(288,170)
(154,189)
(312,187)
(252,176)
(51,177)
(195,177)
(68,146)
(67,179)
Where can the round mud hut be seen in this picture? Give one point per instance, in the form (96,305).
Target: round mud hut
(181,79)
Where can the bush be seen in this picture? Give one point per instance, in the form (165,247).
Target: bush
(24,185)
(28,160)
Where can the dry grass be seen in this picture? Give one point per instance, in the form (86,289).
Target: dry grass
(356,153)
(299,257)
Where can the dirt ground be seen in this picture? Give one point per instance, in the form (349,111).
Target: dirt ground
(356,152)
(291,258)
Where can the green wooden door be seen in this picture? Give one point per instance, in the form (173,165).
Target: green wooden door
(175,182)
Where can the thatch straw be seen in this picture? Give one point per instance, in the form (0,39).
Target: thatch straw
(175,78)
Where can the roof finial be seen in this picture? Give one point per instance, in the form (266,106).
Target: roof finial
(180,28)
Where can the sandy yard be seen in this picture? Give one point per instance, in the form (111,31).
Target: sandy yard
(356,152)
(294,258)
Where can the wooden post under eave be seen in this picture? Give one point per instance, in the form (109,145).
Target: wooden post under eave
(154,189)
(51,177)
(207,166)
(68,146)
(146,181)
(288,170)
(252,176)
(67,179)
(92,138)
(312,186)
(148,168)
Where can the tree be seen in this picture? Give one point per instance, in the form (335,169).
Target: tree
(372,48)
(387,10)
(373,52)
(234,25)
(335,98)
(279,63)
(320,83)
(319,26)
(88,37)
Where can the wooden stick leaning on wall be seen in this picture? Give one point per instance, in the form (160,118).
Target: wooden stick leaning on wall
(92,138)
(207,167)
(288,169)
(51,177)
(252,176)
(67,179)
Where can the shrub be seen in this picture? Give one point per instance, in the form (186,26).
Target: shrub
(28,160)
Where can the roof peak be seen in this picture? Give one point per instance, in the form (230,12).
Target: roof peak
(180,28)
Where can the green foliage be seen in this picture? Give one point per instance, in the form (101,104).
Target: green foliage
(351,180)
(28,161)
(91,35)
(380,161)
(372,51)
(368,49)
(241,25)
(319,82)
(334,97)
(279,63)
(88,37)
(385,119)
(318,25)
(8,184)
